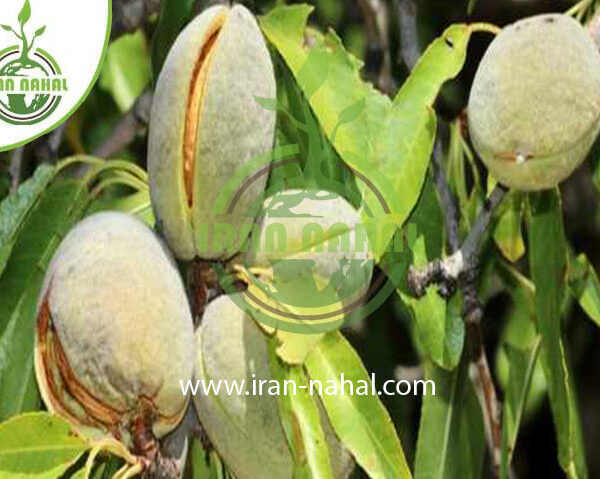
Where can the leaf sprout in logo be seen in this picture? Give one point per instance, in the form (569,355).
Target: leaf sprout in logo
(31,84)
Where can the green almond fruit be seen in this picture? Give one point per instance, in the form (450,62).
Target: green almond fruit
(114,332)
(308,238)
(206,124)
(534,106)
(246,429)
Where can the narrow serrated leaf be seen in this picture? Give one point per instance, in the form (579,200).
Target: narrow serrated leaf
(126,69)
(38,446)
(15,207)
(451,443)
(307,421)
(60,206)
(136,204)
(507,232)
(359,420)
(388,143)
(301,421)
(585,286)
(521,368)
(438,326)
(548,264)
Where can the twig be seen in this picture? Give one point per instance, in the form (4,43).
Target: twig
(47,147)
(378,58)
(126,130)
(455,270)
(451,210)
(410,52)
(479,372)
(461,269)
(16,167)
(129,15)
(408,373)
(202,287)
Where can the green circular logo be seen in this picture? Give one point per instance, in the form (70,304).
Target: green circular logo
(31,86)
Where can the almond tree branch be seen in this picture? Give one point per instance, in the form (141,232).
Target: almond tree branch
(129,15)
(378,58)
(410,51)
(455,270)
(16,167)
(47,147)
(128,127)
(460,269)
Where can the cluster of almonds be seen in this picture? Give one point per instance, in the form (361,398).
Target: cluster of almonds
(114,330)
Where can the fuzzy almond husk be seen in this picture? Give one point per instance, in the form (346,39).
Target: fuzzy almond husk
(206,125)
(246,429)
(534,106)
(114,332)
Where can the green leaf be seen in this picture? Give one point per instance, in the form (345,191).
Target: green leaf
(320,165)
(174,14)
(136,204)
(407,143)
(451,443)
(388,143)
(40,31)
(548,264)
(521,370)
(460,159)
(267,103)
(360,420)
(584,285)
(204,465)
(126,70)
(16,206)
(440,329)
(294,347)
(301,421)
(519,335)
(25,13)
(507,233)
(60,206)
(8,28)
(38,446)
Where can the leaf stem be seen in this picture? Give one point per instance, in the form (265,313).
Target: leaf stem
(485,28)
(108,165)
(579,8)
(123,180)
(77,159)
